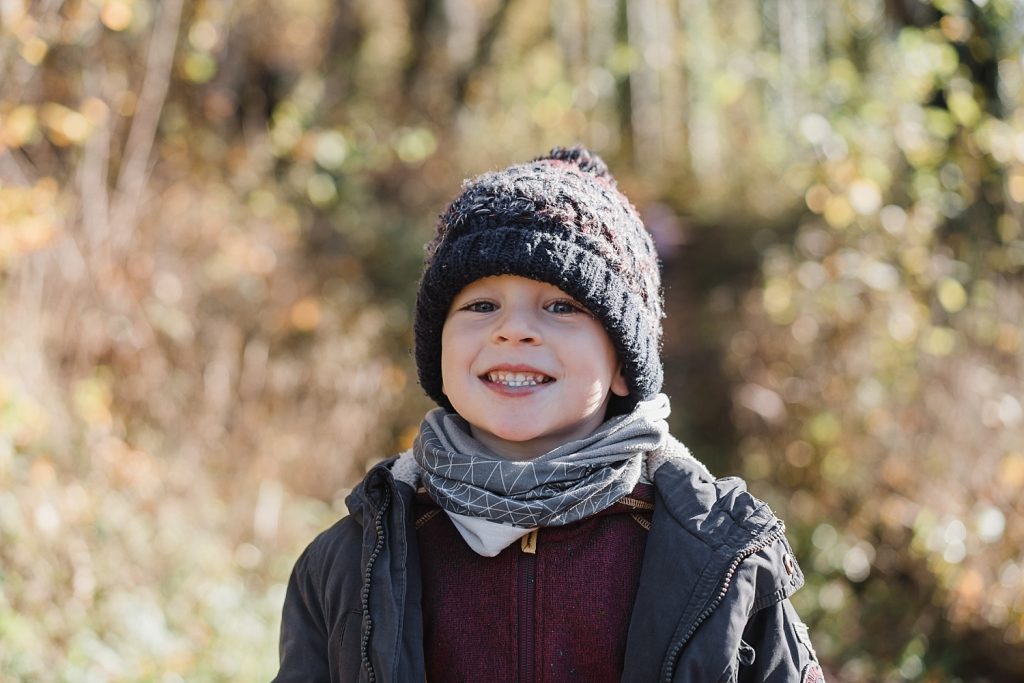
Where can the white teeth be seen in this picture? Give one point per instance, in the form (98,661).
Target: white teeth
(517,379)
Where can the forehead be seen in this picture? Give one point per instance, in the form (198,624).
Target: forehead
(510,284)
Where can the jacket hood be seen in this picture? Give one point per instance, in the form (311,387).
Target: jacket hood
(716,511)
(369,493)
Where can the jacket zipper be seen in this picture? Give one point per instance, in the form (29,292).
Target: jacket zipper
(364,598)
(527,602)
(777,533)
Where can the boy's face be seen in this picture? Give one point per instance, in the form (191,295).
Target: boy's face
(526,366)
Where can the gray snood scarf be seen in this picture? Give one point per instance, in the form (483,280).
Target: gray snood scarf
(570,482)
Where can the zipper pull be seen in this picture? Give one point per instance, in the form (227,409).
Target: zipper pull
(528,543)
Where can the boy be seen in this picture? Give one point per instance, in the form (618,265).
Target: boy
(545,526)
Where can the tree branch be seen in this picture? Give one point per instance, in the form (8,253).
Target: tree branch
(134,172)
(483,53)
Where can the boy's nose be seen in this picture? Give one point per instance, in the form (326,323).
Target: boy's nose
(516,326)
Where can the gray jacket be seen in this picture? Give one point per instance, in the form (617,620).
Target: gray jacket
(712,603)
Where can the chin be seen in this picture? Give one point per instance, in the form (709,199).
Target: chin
(515,435)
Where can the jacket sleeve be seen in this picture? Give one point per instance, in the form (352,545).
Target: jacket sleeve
(303,643)
(776,648)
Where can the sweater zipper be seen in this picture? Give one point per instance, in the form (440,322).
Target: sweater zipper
(527,602)
(777,533)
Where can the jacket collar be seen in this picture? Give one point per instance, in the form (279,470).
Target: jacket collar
(368,495)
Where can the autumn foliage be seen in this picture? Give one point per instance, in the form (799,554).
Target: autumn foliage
(211,219)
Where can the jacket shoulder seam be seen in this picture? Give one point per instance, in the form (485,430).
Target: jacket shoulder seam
(773,598)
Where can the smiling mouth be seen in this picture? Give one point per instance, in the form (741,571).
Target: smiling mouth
(517,379)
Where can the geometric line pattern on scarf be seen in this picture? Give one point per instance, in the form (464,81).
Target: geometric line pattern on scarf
(573,481)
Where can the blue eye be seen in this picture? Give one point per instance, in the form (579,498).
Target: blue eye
(480,307)
(563,306)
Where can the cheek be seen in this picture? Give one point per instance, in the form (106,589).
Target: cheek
(446,359)
(446,369)
(454,358)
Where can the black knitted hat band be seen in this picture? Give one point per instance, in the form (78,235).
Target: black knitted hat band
(558,220)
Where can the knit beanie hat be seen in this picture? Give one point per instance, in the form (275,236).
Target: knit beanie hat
(561,220)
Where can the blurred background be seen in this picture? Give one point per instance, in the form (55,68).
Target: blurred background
(211,224)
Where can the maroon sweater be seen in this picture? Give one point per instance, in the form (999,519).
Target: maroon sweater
(554,606)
